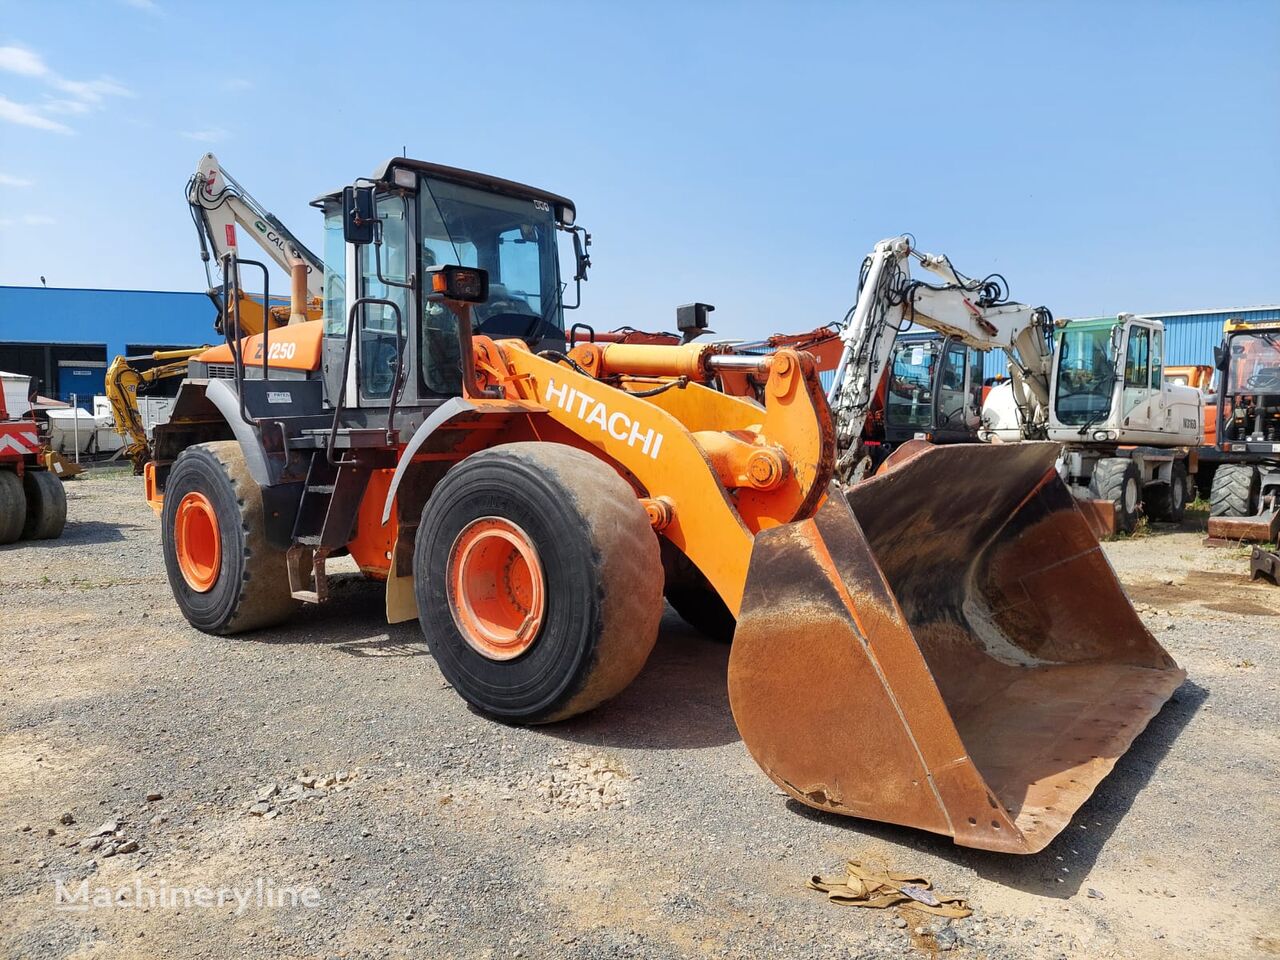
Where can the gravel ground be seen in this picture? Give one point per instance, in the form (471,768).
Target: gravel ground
(331,755)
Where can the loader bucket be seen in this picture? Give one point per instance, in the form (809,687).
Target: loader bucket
(947,648)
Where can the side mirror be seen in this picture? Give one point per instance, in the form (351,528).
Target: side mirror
(358,216)
(691,320)
(1220,356)
(581,240)
(447,281)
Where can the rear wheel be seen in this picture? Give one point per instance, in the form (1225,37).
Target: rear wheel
(538,581)
(1167,502)
(1118,479)
(224,575)
(13,506)
(46,505)
(1235,491)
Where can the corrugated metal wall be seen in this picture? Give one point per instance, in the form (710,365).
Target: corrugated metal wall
(116,317)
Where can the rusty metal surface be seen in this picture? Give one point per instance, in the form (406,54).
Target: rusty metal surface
(947,649)
(1101,516)
(1264,565)
(1261,528)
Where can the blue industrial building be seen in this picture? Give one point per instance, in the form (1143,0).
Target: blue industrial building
(65,337)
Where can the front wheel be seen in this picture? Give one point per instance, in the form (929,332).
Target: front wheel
(538,581)
(224,574)
(1167,502)
(1118,479)
(13,506)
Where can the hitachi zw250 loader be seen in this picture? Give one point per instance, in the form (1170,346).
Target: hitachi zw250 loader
(946,647)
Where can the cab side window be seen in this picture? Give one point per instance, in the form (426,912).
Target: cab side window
(1137,358)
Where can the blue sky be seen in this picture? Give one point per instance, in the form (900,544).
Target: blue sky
(1103,156)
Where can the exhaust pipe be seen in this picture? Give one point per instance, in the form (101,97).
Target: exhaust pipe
(297,293)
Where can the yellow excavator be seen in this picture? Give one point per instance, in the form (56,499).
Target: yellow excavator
(125,378)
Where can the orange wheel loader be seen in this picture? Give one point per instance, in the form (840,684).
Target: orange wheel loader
(945,648)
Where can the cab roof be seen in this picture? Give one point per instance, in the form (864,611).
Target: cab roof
(563,206)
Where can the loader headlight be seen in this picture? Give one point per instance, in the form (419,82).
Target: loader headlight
(1099,434)
(448,281)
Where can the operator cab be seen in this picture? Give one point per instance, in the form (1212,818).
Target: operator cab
(1249,403)
(934,390)
(383,238)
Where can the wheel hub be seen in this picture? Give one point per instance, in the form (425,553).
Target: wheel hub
(197,542)
(496,588)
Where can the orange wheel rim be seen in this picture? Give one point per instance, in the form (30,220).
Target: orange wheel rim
(497,593)
(197,541)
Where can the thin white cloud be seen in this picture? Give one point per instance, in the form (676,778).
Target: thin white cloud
(8,180)
(150,6)
(28,220)
(24,62)
(27,116)
(56,105)
(77,96)
(212,135)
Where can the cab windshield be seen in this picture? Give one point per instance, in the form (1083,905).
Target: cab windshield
(1255,363)
(514,239)
(1086,374)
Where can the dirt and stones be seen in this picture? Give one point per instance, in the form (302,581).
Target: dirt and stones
(448,837)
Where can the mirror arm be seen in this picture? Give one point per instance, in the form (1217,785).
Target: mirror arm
(467,355)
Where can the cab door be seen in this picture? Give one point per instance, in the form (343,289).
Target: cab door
(1136,396)
(955,412)
(384,270)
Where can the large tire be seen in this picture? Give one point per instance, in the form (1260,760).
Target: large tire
(13,506)
(593,619)
(249,582)
(1235,491)
(46,505)
(693,597)
(1167,502)
(1118,479)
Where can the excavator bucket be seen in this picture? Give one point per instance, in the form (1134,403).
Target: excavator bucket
(947,648)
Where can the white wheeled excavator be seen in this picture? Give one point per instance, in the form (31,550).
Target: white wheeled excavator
(220,205)
(1094,386)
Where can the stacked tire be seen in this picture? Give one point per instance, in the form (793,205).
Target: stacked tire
(32,507)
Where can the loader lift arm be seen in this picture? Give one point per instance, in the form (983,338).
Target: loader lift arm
(977,313)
